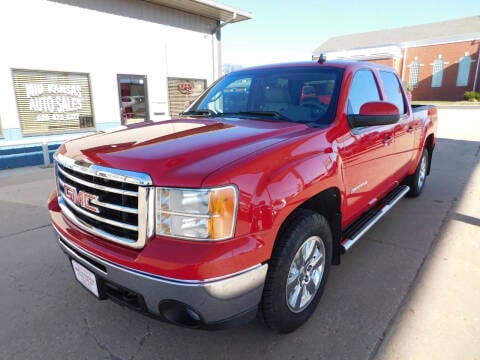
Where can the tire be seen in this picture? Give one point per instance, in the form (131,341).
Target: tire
(298,271)
(417,180)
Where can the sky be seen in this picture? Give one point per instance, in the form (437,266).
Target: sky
(282,31)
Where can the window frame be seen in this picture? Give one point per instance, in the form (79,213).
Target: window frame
(262,76)
(142,80)
(464,69)
(414,74)
(42,78)
(437,72)
(189,98)
(380,94)
(400,87)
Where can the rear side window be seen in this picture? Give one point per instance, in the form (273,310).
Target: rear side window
(363,89)
(393,90)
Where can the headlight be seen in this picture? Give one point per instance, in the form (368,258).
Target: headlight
(197,214)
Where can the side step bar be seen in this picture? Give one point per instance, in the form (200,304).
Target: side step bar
(356,230)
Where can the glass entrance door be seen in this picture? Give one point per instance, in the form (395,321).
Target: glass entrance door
(133,98)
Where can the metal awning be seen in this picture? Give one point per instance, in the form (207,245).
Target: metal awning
(207,8)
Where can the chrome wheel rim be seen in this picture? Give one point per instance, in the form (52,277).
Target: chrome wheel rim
(305,274)
(422,174)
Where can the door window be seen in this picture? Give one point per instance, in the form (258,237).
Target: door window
(393,90)
(363,89)
(133,98)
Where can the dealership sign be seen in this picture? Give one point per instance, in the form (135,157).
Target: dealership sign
(54,101)
(185,88)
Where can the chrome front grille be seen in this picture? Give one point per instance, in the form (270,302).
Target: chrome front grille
(114,204)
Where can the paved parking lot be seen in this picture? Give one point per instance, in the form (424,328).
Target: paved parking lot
(395,296)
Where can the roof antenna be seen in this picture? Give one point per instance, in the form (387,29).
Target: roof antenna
(322,58)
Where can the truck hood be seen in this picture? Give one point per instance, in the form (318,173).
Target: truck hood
(179,152)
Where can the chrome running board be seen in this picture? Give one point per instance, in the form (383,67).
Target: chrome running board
(357,229)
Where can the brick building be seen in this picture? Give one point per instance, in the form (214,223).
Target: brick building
(439,60)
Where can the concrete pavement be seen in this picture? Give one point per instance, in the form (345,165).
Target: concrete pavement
(408,290)
(440,319)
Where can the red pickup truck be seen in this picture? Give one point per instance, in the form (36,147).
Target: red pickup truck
(241,205)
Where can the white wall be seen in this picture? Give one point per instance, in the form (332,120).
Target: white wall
(47,35)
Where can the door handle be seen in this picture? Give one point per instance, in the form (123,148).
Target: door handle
(388,140)
(410,129)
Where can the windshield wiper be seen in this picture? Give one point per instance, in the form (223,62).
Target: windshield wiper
(270,114)
(200,112)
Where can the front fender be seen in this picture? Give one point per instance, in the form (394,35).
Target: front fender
(293,184)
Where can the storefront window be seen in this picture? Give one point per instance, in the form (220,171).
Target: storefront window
(52,102)
(133,98)
(181,93)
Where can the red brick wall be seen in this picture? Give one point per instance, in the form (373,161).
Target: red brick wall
(395,63)
(451,53)
(388,62)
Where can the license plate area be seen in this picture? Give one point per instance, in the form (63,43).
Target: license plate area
(86,277)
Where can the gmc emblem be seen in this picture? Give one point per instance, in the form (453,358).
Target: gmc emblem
(81,198)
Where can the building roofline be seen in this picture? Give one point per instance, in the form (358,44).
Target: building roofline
(207,8)
(456,30)
(392,50)
(442,40)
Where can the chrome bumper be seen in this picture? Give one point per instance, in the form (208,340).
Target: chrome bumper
(213,301)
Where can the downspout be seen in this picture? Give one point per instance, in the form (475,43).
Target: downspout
(476,71)
(404,65)
(216,55)
(217,46)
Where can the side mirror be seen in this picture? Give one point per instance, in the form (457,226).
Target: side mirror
(375,113)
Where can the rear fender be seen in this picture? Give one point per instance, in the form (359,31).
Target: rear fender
(429,144)
(427,138)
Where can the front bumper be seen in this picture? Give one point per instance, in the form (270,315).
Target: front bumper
(211,303)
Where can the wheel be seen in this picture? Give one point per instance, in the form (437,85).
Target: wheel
(297,273)
(417,180)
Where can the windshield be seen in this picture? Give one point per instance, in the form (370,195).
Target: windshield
(298,94)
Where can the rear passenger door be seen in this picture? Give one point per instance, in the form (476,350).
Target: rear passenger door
(404,129)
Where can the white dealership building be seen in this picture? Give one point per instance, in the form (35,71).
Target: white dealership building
(70,67)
